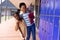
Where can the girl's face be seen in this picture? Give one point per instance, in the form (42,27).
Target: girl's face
(16,16)
(23,8)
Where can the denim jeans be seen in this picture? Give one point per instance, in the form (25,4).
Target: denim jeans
(32,29)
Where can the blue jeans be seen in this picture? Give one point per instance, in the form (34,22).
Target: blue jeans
(29,30)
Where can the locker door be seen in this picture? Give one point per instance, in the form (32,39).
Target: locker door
(43,7)
(51,13)
(59,30)
(46,26)
(50,7)
(50,28)
(57,7)
(56,26)
(42,28)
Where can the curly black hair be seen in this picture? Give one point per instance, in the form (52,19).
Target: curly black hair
(22,4)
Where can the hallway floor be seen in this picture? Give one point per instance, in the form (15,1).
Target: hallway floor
(7,31)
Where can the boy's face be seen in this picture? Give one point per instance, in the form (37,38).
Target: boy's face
(23,8)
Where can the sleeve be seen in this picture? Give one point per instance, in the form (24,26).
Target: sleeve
(31,15)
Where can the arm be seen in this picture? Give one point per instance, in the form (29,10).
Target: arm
(17,18)
(20,30)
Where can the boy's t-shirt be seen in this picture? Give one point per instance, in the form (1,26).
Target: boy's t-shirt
(27,18)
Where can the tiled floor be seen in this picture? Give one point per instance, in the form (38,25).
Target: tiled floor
(7,31)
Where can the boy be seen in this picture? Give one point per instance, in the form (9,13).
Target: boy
(28,18)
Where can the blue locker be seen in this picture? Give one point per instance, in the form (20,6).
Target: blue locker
(57,8)
(50,7)
(42,28)
(50,28)
(49,20)
(56,26)
(43,7)
(46,28)
(59,30)
(57,12)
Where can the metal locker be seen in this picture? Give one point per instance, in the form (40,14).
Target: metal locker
(50,28)
(55,29)
(42,28)
(57,7)
(49,14)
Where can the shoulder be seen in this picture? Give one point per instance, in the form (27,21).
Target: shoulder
(25,14)
(31,13)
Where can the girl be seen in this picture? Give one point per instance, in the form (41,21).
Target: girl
(19,22)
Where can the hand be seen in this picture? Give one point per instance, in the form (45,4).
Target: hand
(24,39)
(23,36)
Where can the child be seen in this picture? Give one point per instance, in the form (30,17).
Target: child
(28,18)
(20,20)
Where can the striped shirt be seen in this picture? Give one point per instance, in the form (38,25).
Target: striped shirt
(26,19)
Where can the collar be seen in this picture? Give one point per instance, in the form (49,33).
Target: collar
(21,12)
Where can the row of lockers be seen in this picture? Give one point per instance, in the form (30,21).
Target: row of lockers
(50,7)
(49,28)
(49,24)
